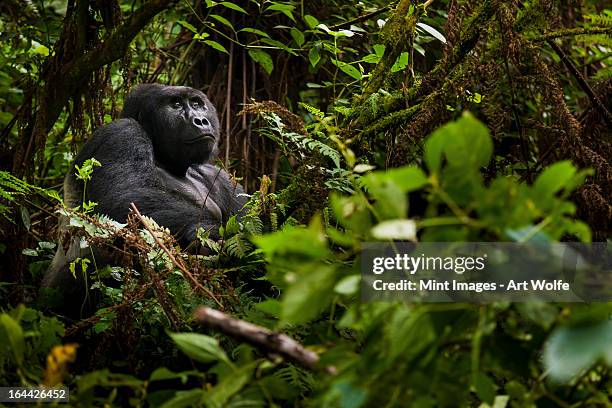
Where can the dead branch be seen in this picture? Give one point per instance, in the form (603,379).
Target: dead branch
(272,342)
(361,18)
(173,259)
(582,82)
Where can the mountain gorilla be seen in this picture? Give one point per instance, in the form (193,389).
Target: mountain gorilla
(157,157)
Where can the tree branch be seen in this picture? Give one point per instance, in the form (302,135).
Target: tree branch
(361,18)
(260,337)
(582,82)
(572,32)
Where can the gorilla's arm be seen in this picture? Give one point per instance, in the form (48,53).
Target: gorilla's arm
(217,182)
(128,175)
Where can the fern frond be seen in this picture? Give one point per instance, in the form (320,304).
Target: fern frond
(312,110)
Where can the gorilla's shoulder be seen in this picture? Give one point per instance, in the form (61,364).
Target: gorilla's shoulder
(120,140)
(121,127)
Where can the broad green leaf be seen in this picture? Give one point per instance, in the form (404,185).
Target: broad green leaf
(229,385)
(254,31)
(554,178)
(199,347)
(435,33)
(395,230)
(216,46)
(40,49)
(570,350)
(286,9)
(351,71)
(188,26)
(222,20)
(186,399)
(363,168)
(466,144)
(379,49)
(401,63)
(348,69)
(311,21)
(313,56)
(371,59)
(308,294)
(306,243)
(264,59)
(485,388)
(407,178)
(348,285)
(233,6)
(13,334)
(298,36)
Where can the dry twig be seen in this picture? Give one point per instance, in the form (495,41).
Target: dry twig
(272,342)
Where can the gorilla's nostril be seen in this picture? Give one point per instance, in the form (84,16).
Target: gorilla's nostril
(201,122)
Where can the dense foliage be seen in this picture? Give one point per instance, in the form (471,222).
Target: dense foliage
(451,120)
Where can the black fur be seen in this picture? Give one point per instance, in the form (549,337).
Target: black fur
(157,157)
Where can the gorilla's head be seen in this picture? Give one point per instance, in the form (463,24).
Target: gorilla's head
(181,121)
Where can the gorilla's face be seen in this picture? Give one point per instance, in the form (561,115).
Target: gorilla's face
(181,122)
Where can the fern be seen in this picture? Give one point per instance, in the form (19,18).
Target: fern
(312,110)
(11,187)
(296,376)
(301,141)
(253,225)
(603,19)
(238,246)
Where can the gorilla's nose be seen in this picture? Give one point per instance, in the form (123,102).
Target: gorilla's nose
(201,123)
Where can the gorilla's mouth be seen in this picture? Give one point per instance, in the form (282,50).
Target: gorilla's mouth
(200,138)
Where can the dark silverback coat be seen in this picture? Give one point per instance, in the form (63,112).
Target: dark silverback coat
(157,157)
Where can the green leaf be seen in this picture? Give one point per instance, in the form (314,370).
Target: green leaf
(348,285)
(199,347)
(216,46)
(395,230)
(570,350)
(435,33)
(363,168)
(13,337)
(407,178)
(485,388)
(379,49)
(313,56)
(223,20)
(371,59)
(264,59)
(25,217)
(311,21)
(233,6)
(278,45)
(554,178)
(40,49)
(186,399)
(348,69)
(308,294)
(188,26)
(286,9)
(255,31)
(465,142)
(298,36)
(401,63)
(229,385)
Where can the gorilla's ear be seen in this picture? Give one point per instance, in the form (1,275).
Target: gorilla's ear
(139,100)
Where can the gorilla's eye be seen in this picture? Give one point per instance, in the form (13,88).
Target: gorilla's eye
(197,104)
(176,104)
